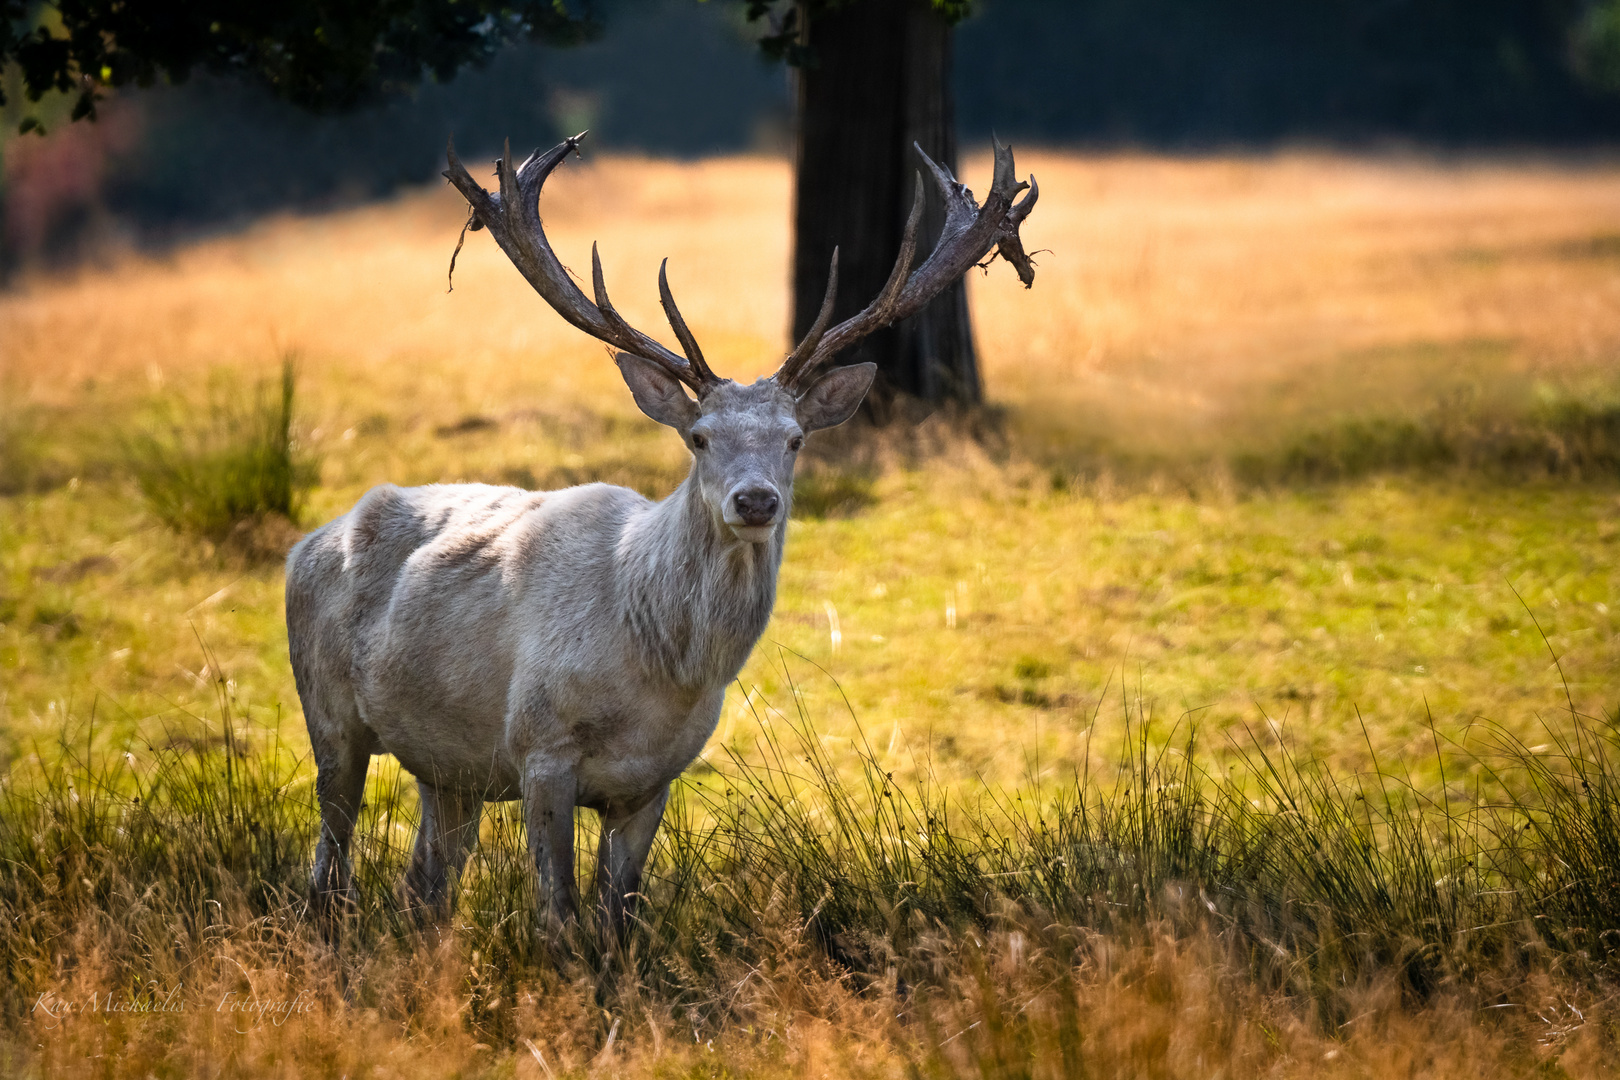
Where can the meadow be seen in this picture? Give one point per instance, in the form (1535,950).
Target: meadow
(1314,456)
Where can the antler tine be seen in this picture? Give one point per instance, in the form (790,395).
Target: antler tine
(902,265)
(1011,247)
(969,232)
(506,173)
(689,345)
(512,216)
(599,288)
(788,373)
(955,194)
(1021,209)
(683,372)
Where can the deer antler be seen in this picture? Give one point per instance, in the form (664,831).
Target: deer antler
(512,216)
(970,232)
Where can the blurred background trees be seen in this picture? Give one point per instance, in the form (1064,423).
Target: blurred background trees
(212,113)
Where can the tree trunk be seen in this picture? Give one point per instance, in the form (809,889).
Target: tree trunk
(879,80)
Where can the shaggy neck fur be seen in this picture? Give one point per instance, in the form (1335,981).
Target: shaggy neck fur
(695,597)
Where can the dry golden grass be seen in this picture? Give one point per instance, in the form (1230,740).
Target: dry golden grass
(1185,298)
(1155,1005)
(1185,290)
(365,292)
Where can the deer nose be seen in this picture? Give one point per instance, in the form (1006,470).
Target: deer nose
(756,506)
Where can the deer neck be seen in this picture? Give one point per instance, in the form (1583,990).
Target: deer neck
(696,598)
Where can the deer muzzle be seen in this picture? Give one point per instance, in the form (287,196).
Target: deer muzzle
(753,512)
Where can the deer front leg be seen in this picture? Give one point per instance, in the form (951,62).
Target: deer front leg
(627,836)
(548,815)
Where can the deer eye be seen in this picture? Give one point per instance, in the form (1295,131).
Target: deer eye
(700,441)
(796,443)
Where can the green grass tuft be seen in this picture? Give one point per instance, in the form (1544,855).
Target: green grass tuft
(241,465)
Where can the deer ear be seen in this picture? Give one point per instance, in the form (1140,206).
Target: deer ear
(833,398)
(657,392)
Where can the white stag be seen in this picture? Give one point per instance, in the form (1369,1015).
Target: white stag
(572,648)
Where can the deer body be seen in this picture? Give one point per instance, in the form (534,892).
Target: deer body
(577,630)
(572,648)
(588,643)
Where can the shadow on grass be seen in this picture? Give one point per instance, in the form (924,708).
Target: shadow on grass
(1562,438)
(1557,438)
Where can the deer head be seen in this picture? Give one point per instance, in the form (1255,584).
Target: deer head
(745,439)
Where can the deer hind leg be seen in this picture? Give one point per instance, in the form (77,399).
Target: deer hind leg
(448,831)
(340,784)
(627,837)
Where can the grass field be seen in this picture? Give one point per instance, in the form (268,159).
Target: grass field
(1282,446)
(1219,311)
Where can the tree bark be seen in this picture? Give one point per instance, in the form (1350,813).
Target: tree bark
(879,80)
